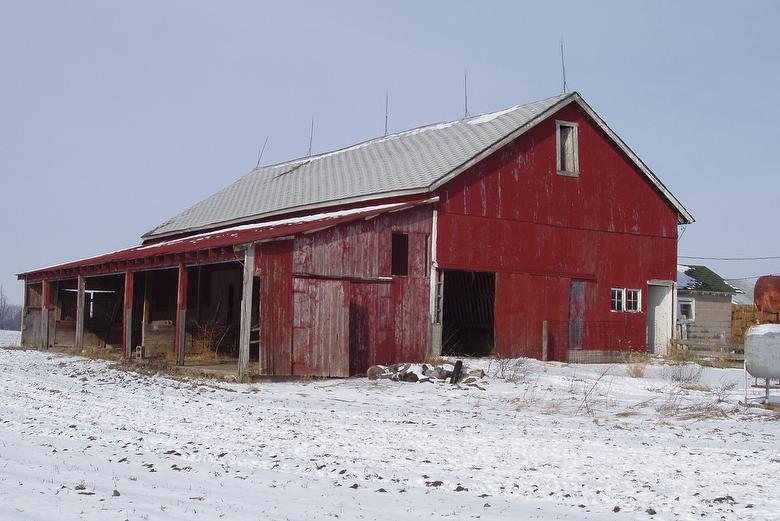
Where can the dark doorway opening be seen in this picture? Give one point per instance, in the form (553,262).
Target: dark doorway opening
(469,298)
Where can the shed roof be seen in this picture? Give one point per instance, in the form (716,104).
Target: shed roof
(701,278)
(410,162)
(224,237)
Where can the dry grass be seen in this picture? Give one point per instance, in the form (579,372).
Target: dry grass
(512,370)
(671,404)
(685,374)
(702,388)
(675,354)
(554,407)
(636,370)
(701,411)
(626,413)
(720,363)
(436,360)
(635,357)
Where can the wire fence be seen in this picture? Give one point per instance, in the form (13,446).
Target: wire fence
(594,338)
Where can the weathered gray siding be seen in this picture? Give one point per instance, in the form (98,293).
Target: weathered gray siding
(713,317)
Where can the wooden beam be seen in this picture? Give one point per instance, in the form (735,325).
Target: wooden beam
(45,305)
(127,315)
(80,287)
(181,314)
(246,313)
(147,309)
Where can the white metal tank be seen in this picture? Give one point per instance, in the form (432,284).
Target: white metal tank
(762,351)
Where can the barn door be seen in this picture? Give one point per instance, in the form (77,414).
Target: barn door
(321,336)
(659,317)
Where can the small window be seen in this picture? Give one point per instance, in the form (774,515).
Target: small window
(616,299)
(400,254)
(568,156)
(686,309)
(633,300)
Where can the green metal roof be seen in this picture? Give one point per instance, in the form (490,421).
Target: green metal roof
(701,278)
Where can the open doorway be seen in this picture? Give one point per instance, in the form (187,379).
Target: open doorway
(103,299)
(215,292)
(469,298)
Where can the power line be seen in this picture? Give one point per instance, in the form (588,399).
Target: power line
(770,257)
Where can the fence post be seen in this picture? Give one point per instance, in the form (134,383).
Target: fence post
(544,340)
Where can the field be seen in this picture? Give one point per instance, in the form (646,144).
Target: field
(82,439)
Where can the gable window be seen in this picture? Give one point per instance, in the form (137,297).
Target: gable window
(633,300)
(400,254)
(616,299)
(568,161)
(686,308)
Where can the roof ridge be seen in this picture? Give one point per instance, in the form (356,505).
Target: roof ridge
(401,133)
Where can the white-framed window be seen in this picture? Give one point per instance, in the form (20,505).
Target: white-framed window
(617,299)
(686,308)
(633,300)
(568,157)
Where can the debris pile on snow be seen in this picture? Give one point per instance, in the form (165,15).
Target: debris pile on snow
(454,373)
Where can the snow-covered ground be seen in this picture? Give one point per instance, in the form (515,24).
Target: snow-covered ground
(10,338)
(81,440)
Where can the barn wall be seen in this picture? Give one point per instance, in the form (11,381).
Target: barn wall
(31,315)
(388,315)
(514,215)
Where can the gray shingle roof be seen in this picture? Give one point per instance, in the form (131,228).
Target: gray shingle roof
(413,161)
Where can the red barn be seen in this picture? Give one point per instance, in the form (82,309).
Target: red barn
(533,231)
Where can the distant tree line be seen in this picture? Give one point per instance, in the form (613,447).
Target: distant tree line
(10,314)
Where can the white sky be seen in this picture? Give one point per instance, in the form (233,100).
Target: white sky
(114,117)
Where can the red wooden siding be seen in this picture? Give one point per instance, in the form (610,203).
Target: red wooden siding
(525,301)
(321,327)
(514,215)
(388,315)
(274,263)
(371,327)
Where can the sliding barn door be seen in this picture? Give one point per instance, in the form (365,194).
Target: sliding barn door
(321,328)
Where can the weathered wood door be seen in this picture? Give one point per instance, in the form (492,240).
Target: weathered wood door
(321,328)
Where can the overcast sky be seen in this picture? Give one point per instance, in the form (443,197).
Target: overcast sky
(114,117)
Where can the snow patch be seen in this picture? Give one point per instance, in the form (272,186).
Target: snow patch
(684,281)
(764,329)
(486,118)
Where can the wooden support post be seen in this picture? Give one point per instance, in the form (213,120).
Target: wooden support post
(545,354)
(127,315)
(435,292)
(181,314)
(146,311)
(45,305)
(80,287)
(25,310)
(246,313)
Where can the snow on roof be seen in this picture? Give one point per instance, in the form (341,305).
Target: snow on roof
(701,278)
(409,162)
(240,234)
